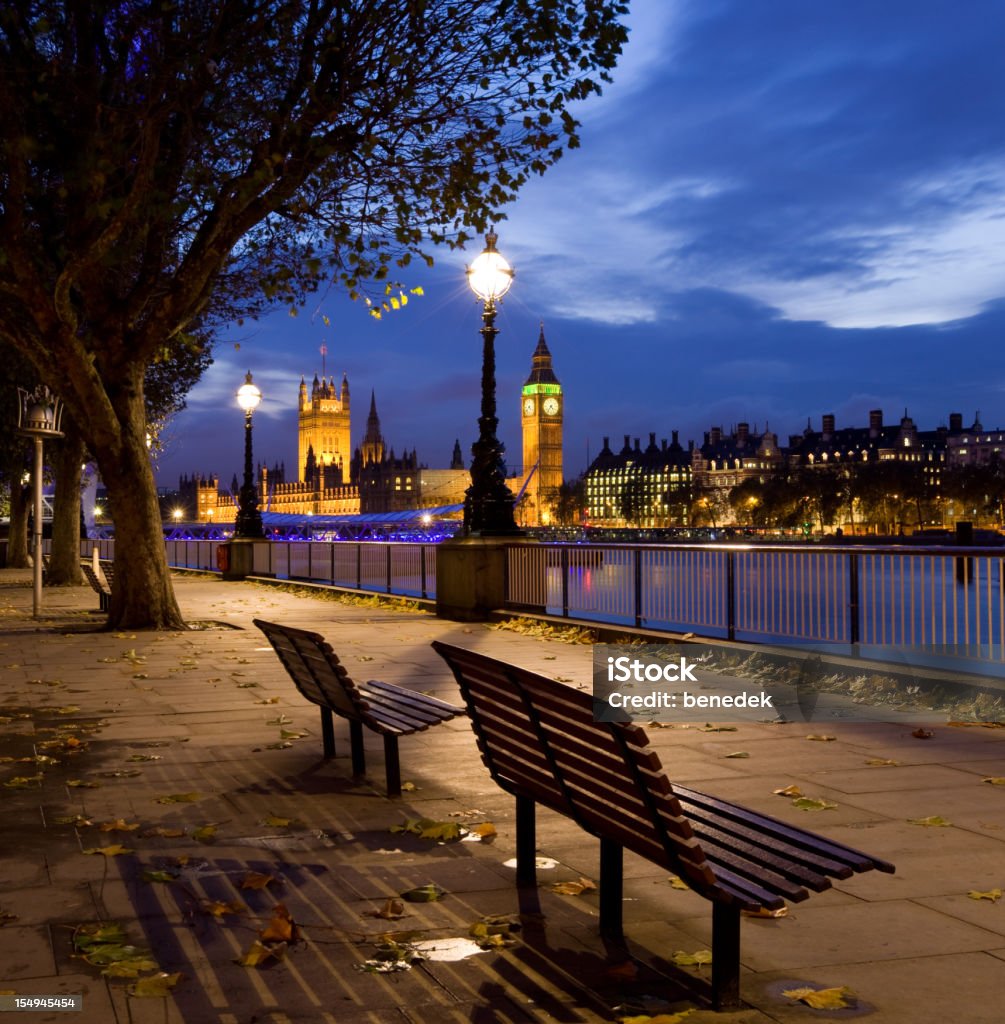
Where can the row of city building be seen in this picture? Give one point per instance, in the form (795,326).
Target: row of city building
(664,484)
(660,485)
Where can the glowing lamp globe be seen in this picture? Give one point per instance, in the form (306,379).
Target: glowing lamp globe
(248,394)
(489,275)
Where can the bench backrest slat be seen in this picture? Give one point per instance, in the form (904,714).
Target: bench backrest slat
(314,667)
(539,738)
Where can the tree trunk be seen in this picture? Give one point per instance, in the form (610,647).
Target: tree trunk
(17,537)
(66,459)
(142,595)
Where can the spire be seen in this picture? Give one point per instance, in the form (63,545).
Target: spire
(373,442)
(541,371)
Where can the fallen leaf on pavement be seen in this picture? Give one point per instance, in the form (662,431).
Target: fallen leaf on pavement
(157,986)
(994,895)
(390,911)
(935,821)
(255,880)
(696,959)
(573,888)
(822,998)
(805,803)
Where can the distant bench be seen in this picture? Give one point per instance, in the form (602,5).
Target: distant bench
(97,585)
(539,740)
(389,710)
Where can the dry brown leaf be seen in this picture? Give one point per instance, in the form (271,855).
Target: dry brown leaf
(882,762)
(390,911)
(822,998)
(573,888)
(255,880)
(764,912)
(821,738)
(792,791)
(258,954)
(108,851)
(119,825)
(217,908)
(281,928)
(922,734)
(935,821)
(677,883)
(995,780)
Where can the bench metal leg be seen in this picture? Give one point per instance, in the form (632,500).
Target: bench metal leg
(327,733)
(526,842)
(611,888)
(725,957)
(356,745)
(392,767)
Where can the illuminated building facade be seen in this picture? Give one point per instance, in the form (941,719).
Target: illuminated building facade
(636,487)
(542,412)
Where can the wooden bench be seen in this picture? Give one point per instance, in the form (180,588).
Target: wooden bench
(539,740)
(97,585)
(389,710)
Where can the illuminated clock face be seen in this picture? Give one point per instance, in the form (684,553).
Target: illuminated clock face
(550,407)
(528,407)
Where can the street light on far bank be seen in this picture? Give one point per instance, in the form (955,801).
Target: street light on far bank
(488,502)
(249,520)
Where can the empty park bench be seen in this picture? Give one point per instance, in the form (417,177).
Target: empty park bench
(540,742)
(389,710)
(97,585)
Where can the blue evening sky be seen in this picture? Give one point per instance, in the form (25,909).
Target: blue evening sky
(780,209)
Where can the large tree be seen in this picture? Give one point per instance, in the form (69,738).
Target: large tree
(167,164)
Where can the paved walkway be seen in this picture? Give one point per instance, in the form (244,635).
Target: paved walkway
(200,740)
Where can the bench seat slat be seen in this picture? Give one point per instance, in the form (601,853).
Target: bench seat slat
(727,832)
(848,855)
(410,697)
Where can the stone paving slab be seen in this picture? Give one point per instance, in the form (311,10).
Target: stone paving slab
(913,946)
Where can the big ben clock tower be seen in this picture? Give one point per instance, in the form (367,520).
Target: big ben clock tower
(542,409)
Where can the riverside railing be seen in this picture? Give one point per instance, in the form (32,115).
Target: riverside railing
(947,600)
(407,569)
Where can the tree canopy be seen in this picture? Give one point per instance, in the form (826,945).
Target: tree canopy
(169,166)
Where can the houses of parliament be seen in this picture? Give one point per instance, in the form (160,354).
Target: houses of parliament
(338,480)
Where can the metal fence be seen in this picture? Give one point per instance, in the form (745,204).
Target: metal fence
(385,567)
(941,599)
(949,600)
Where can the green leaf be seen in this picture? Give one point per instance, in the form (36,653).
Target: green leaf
(157,986)
(805,803)
(159,876)
(697,959)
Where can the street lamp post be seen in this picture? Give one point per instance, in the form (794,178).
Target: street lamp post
(39,415)
(249,520)
(488,502)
